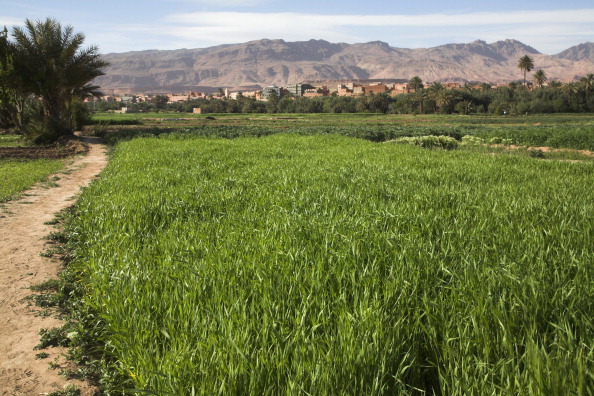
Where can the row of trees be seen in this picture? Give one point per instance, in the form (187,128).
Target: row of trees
(44,76)
(515,98)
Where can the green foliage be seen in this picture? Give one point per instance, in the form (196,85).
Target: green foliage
(537,153)
(10,140)
(526,64)
(42,129)
(48,63)
(328,265)
(508,100)
(69,390)
(16,176)
(558,131)
(52,338)
(430,142)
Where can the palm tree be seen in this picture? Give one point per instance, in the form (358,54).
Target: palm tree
(436,87)
(53,67)
(415,83)
(588,84)
(445,100)
(570,89)
(526,64)
(555,84)
(485,87)
(540,77)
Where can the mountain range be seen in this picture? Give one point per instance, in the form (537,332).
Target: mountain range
(256,64)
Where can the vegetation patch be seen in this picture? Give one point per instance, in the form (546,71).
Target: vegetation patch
(430,142)
(298,263)
(559,131)
(18,175)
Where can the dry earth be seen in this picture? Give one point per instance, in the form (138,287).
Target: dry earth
(22,232)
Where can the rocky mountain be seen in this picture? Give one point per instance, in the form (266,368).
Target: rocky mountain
(584,51)
(260,63)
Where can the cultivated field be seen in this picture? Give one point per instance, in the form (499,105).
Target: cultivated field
(307,261)
(18,175)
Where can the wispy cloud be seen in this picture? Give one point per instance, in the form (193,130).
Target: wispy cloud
(534,27)
(548,31)
(439,19)
(10,22)
(223,3)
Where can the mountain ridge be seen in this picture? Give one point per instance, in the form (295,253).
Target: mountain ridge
(258,63)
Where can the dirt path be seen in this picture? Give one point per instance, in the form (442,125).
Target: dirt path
(22,230)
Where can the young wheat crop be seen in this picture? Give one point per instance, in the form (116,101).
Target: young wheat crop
(330,265)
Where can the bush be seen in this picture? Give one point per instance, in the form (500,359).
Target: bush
(99,129)
(536,153)
(471,140)
(44,130)
(430,142)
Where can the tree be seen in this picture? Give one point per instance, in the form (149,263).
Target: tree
(540,77)
(436,87)
(6,81)
(51,65)
(445,100)
(160,102)
(555,84)
(571,90)
(465,107)
(588,85)
(485,87)
(12,97)
(415,83)
(513,85)
(526,64)
(418,98)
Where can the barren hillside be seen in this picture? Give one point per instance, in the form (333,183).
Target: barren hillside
(256,64)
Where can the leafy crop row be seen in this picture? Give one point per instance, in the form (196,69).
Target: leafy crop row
(558,136)
(328,265)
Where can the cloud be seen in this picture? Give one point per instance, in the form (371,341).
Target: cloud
(10,22)
(223,3)
(467,19)
(532,27)
(548,31)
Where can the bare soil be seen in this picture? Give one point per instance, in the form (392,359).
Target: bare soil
(545,149)
(22,233)
(67,147)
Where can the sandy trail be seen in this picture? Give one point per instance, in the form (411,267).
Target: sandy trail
(22,232)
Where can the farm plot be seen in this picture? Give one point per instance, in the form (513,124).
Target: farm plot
(17,175)
(330,265)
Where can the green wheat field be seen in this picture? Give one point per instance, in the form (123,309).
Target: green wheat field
(329,265)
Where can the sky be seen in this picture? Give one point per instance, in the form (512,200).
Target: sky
(135,25)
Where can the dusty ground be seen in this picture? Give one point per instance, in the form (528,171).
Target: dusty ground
(22,232)
(67,147)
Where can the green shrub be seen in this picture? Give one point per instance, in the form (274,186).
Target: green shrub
(430,142)
(471,140)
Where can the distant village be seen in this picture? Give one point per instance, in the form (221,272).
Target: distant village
(307,90)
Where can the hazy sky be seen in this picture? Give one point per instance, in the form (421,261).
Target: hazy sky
(134,25)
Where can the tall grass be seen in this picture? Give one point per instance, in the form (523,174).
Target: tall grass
(329,265)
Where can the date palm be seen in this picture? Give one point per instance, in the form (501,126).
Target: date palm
(570,89)
(588,85)
(485,87)
(526,64)
(540,77)
(436,87)
(53,67)
(415,83)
